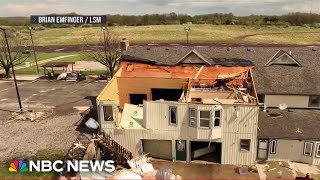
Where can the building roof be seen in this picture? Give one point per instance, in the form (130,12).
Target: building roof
(288,124)
(275,79)
(57,64)
(188,72)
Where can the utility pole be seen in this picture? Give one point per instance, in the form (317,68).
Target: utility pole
(187,29)
(12,67)
(104,38)
(34,50)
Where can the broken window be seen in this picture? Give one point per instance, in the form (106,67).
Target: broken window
(217,118)
(314,101)
(273,146)
(245,144)
(205,119)
(173,114)
(318,150)
(108,113)
(308,147)
(192,117)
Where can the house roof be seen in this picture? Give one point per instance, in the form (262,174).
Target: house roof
(57,64)
(275,79)
(280,54)
(288,124)
(189,72)
(194,51)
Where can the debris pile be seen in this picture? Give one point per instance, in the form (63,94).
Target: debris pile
(103,147)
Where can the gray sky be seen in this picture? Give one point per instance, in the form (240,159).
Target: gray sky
(138,7)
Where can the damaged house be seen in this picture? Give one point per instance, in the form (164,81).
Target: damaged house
(216,104)
(192,110)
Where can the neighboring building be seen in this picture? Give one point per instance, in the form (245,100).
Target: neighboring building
(290,135)
(190,111)
(283,76)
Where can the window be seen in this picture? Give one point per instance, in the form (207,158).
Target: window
(318,151)
(245,144)
(196,100)
(192,117)
(273,146)
(217,118)
(261,98)
(308,147)
(108,113)
(205,119)
(173,115)
(314,101)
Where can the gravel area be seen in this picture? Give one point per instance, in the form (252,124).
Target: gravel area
(22,139)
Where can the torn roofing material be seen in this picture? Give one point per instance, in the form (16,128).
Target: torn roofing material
(277,79)
(290,124)
(211,72)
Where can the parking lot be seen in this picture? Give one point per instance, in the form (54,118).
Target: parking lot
(21,139)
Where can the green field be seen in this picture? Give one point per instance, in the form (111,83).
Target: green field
(176,34)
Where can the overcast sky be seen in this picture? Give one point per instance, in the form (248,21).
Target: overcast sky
(138,7)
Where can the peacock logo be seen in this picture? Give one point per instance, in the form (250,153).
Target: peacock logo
(18,166)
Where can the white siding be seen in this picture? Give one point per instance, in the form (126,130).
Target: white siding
(234,126)
(239,124)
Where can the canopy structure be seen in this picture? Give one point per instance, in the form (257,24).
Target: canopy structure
(53,65)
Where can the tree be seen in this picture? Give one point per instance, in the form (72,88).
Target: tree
(17,47)
(109,55)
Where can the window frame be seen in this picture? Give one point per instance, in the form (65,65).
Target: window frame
(271,149)
(304,148)
(245,150)
(215,118)
(170,117)
(317,150)
(261,98)
(208,119)
(313,105)
(195,117)
(104,110)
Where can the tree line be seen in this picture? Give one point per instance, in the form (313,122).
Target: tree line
(294,19)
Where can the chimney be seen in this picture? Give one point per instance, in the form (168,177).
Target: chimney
(124,44)
(290,52)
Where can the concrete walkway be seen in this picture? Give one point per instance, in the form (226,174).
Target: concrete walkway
(42,62)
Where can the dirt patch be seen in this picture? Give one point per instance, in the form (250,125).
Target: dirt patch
(203,171)
(287,170)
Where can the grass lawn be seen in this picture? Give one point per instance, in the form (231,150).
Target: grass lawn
(47,154)
(174,34)
(42,56)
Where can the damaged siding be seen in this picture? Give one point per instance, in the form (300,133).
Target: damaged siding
(234,127)
(144,85)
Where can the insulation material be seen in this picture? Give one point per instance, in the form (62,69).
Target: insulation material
(202,151)
(132,117)
(147,167)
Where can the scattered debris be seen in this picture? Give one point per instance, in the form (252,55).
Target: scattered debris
(92,123)
(102,147)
